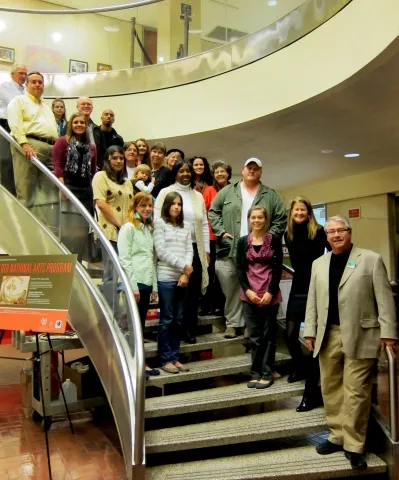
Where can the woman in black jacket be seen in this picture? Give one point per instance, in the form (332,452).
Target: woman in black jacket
(306,240)
(259,265)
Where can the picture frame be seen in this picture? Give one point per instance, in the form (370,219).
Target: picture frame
(103,67)
(77,66)
(7,55)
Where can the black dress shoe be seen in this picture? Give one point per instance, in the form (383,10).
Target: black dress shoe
(328,447)
(189,339)
(295,377)
(310,401)
(358,460)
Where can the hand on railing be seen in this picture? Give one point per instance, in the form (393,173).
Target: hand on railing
(389,344)
(393,390)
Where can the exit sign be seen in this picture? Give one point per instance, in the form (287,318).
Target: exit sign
(354,212)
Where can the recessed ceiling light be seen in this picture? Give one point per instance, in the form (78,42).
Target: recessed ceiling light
(161,59)
(111,28)
(327,151)
(57,37)
(271,3)
(352,155)
(3,26)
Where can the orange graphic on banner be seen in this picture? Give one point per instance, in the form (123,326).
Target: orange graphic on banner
(48,321)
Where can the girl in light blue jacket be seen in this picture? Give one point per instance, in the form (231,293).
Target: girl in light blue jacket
(136,254)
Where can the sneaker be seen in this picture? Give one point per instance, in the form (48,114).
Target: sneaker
(358,460)
(230,333)
(328,447)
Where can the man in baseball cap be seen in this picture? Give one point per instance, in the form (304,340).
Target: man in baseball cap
(228,216)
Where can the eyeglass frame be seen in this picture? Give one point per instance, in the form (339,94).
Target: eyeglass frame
(333,231)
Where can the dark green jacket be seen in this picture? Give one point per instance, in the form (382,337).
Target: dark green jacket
(225,215)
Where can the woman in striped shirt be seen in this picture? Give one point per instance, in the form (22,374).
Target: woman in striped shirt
(172,238)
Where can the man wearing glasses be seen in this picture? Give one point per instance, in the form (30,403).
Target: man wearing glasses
(350,315)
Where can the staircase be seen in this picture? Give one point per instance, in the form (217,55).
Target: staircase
(206,424)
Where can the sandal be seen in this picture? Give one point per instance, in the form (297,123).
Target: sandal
(181,367)
(269,383)
(167,369)
(252,383)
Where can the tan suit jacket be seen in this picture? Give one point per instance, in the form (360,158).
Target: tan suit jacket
(365,302)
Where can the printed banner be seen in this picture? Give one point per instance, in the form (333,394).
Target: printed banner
(35,292)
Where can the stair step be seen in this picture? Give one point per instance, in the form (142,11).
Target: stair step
(221,397)
(301,462)
(211,368)
(205,320)
(204,342)
(251,428)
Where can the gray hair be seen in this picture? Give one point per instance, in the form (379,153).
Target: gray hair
(221,164)
(17,66)
(339,218)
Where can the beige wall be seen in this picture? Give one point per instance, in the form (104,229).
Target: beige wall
(373,192)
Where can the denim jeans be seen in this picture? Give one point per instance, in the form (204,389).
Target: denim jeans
(171,303)
(144,302)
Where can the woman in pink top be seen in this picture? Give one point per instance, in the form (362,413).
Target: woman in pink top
(74,159)
(259,265)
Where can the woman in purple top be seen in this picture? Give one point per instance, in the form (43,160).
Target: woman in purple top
(259,265)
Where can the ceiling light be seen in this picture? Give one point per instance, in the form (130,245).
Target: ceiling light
(195,31)
(3,26)
(57,37)
(352,155)
(111,28)
(271,3)
(326,151)
(161,59)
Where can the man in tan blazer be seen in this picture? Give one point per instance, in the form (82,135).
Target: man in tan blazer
(350,314)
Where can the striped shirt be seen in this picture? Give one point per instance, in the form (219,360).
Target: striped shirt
(174,249)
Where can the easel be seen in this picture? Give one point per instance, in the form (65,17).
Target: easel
(36,358)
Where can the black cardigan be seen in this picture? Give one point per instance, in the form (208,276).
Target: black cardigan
(303,251)
(276,264)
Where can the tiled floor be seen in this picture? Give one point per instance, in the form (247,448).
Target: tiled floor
(90,454)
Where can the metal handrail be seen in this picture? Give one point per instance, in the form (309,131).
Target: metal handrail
(139,398)
(393,395)
(288,269)
(78,11)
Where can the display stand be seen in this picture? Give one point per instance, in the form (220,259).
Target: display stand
(37,358)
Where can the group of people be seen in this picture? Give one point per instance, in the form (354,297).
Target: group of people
(186,235)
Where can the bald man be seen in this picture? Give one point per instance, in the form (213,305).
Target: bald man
(110,135)
(9,90)
(85,106)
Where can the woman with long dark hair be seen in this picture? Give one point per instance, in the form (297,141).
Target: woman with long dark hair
(143,152)
(195,214)
(203,177)
(113,193)
(213,301)
(174,250)
(136,254)
(74,159)
(259,266)
(306,240)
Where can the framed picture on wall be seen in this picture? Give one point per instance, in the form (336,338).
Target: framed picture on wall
(7,55)
(103,67)
(76,66)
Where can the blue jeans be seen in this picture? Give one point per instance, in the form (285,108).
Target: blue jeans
(171,303)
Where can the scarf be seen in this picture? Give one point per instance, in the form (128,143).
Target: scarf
(75,151)
(265,254)
(199,210)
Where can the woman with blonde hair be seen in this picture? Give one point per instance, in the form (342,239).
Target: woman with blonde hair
(136,254)
(306,240)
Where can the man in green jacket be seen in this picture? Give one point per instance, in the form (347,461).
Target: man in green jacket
(228,217)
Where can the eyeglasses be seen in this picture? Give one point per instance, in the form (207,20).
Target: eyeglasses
(333,231)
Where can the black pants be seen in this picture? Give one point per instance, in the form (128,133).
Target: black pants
(214,297)
(144,302)
(262,326)
(309,366)
(193,296)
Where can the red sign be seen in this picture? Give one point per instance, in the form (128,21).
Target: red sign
(354,213)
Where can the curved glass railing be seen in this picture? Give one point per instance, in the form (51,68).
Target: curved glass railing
(103,311)
(221,37)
